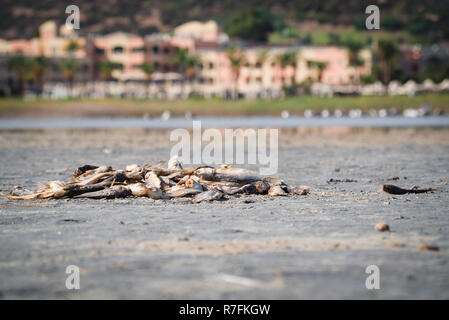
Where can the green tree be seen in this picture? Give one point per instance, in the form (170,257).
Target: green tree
(262,56)
(387,51)
(72,47)
(236,59)
(148,68)
(106,69)
(252,24)
(320,66)
(354,46)
(22,67)
(186,63)
(288,58)
(68,68)
(40,66)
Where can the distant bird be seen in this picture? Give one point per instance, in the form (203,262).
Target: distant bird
(355,113)
(424,110)
(392,112)
(188,115)
(308,113)
(410,113)
(285,114)
(338,113)
(165,115)
(383,113)
(372,113)
(325,113)
(146,116)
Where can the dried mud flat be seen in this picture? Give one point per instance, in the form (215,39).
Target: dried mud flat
(314,246)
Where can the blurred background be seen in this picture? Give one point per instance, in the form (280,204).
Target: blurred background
(224,58)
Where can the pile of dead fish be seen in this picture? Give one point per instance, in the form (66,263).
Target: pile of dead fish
(201,183)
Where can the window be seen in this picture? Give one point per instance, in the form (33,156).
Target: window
(166,50)
(99,51)
(211,65)
(117,50)
(155,49)
(258,65)
(139,50)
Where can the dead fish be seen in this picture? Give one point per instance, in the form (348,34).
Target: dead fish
(299,190)
(132,167)
(108,193)
(19,191)
(210,195)
(184,179)
(96,178)
(80,170)
(276,191)
(182,192)
(167,181)
(389,188)
(190,183)
(245,189)
(228,174)
(138,189)
(53,189)
(134,175)
(156,193)
(88,173)
(262,187)
(152,180)
(174,163)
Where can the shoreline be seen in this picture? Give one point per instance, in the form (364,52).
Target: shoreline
(42,108)
(288,137)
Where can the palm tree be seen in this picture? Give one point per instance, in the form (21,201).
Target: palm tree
(236,59)
(22,67)
(354,46)
(106,68)
(187,64)
(68,71)
(387,51)
(288,58)
(320,66)
(40,65)
(262,56)
(148,68)
(72,47)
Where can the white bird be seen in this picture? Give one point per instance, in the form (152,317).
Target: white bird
(285,114)
(355,113)
(165,115)
(338,113)
(325,113)
(308,113)
(383,113)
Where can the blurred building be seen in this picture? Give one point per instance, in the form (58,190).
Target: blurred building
(260,73)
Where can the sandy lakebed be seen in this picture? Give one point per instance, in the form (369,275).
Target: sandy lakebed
(252,247)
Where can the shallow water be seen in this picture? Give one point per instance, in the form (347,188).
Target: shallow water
(223,122)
